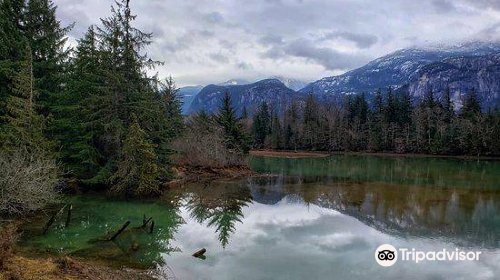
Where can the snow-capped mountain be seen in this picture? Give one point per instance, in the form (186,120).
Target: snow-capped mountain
(234,82)
(400,68)
(291,83)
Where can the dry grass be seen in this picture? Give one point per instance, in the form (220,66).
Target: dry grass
(8,238)
(21,268)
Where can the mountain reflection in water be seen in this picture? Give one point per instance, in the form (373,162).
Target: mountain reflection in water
(310,219)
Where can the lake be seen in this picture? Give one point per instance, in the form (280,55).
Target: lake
(305,218)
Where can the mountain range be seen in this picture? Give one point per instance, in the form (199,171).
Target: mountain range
(462,68)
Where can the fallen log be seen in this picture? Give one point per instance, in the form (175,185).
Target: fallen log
(199,253)
(52,219)
(119,231)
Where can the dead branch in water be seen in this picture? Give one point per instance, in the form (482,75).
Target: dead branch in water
(119,231)
(52,219)
(144,223)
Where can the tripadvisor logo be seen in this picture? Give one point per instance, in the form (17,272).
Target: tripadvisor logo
(387,255)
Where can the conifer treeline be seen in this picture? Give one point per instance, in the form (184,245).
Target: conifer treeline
(94,107)
(393,123)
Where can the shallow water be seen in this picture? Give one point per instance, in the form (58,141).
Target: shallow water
(312,219)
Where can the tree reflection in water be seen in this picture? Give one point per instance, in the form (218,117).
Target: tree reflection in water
(220,205)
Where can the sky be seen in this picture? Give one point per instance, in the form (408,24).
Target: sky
(204,42)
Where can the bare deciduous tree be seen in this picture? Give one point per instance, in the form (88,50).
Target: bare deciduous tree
(27,182)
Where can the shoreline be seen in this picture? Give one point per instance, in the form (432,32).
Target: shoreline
(325,154)
(289,154)
(189,174)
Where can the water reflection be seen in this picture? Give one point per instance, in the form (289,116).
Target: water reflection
(302,228)
(220,205)
(312,219)
(467,217)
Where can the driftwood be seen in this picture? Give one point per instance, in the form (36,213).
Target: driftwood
(52,219)
(68,218)
(119,231)
(199,253)
(152,227)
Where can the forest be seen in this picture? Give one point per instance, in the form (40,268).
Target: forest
(394,123)
(93,114)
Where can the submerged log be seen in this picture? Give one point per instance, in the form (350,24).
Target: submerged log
(68,218)
(144,223)
(199,253)
(52,219)
(119,231)
(152,227)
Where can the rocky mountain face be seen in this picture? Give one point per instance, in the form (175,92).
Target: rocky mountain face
(461,75)
(272,91)
(472,66)
(187,95)
(422,68)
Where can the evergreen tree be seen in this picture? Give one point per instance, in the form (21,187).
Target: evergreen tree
(448,109)
(47,39)
(390,109)
(261,126)
(137,172)
(79,118)
(23,126)
(244,113)
(12,45)
(311,123)
(291,124)
(377,123)
(471,106)
(429,100)
(236,137)
(276,135)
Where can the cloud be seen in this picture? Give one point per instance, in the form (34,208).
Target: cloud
(214,17)
(362,41)
(271,39)
(218,57)
(444,6)
(206,41)
(490,33)
(244,65)
(329,58)
(492,4)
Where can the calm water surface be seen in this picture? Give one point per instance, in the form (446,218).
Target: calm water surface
(310,219)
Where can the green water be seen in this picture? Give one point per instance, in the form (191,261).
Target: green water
(306,219)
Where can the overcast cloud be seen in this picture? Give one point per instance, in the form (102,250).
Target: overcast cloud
(212,41)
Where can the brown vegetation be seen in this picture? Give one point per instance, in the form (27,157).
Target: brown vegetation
(27,182)
(65,268)
(198,174)
(203,144)
(7,240)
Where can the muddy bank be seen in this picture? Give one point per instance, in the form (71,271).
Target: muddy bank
(289,154)
(307,154)
(189,174)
